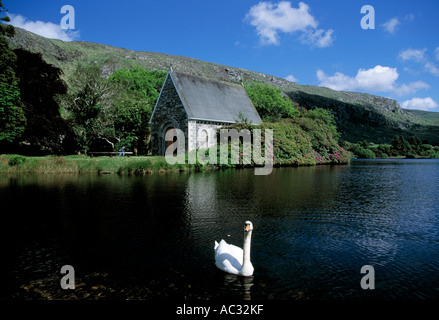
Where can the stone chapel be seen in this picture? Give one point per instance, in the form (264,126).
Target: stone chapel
(197,106)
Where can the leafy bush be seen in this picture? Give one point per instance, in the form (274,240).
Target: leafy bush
(138,167)
(270,103)
(362,153)
(300,141)
(16,160)
(327,117)
(141,80)
(411,149)
(12,118)
(400,146)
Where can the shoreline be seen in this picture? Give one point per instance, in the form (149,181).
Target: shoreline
(134,165)
(81,164)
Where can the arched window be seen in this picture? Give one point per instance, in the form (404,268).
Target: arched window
(203,139)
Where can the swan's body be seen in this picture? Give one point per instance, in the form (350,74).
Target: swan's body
(232,259)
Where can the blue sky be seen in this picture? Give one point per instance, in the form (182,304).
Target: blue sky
(313,42)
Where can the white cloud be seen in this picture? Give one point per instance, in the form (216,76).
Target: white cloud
(376,79)
(431,68)
(46,29)
(319,37)
(425,104)
(419,56)
(410,88)
(391,25)
(413,54)
(409,17)
(291,78)
(270,19)
(338,81)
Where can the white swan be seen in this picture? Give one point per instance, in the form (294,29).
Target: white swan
(232,259)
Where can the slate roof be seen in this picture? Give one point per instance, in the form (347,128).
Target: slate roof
(213,100)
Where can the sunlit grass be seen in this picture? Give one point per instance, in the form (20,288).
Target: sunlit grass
(84,164)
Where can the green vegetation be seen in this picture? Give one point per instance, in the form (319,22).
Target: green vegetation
(138,92)
(270,102)
(16,164)
(108,113)
(300,137)
(45,132)
(12,118)
(429,118)
(327,117)
(400,148)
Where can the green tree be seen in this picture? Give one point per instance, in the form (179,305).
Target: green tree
(361,152)
(131,116)
(400,146)
(328,117)
(139,90)
(384,151)
(12,118)
(415,144)
(141,80)
(114,112)
(40,82)
(270,103)
(89,102)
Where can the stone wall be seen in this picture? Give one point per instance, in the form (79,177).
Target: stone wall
(202,134)
(169,113)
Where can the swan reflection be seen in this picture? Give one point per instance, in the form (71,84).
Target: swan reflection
(240,284)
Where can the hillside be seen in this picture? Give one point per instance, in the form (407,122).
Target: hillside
(359,116)
(428,117)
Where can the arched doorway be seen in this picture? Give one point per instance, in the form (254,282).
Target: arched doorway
(173,132)
(170,126)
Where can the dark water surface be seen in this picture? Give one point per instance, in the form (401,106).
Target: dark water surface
(152,237)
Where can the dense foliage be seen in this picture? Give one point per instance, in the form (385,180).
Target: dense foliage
(270,103)
(139,90)
(300,137)
(302,140)
(88,104)
(45,132)
(145,82)
(400,148)
(12,118)
(30,121)
(110,113)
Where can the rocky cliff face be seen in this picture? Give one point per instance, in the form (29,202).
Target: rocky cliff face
(361,116)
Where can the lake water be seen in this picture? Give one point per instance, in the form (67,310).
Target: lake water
(153,236)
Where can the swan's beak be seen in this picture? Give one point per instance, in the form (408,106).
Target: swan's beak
(247,228)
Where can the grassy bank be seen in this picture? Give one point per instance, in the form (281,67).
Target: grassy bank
(84,164)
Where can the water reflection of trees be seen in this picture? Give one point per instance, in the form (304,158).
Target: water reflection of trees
(285,190)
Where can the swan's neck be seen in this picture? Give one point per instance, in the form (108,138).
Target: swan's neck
(246,248)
